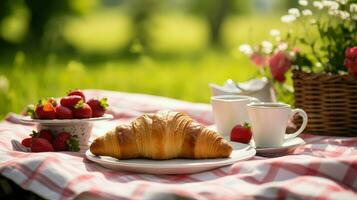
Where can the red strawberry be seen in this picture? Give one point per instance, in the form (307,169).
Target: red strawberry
(98,106)
(77,92)
(70,101)
(45,110)
(82,110)
(60,142)
(52,101)
(64,142)
(41,145)
(63,112)
(27,142)
(46,134)
(241,133)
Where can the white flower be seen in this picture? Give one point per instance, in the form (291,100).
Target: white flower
(246,49)
(303,2)
(267,47)
(353,7)
(294,11)
(288,18)
(318,5)
(274,33)
(306,12)
(292,55)
(332,5)
(333,12)
(282,46)
(344,15)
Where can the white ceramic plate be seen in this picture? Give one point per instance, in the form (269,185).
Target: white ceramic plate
(174,166)
(286,147)
(28,119)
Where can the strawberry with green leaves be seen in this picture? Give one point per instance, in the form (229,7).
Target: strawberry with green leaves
(241,133)
(82,110)
(65,142)
(45,110)
(98,106)
(46,134)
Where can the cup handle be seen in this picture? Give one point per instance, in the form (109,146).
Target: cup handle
(303,114)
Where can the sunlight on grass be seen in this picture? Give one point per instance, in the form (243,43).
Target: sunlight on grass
(184,78)
(237,30)
(176,33)
(83,6)
(105,32)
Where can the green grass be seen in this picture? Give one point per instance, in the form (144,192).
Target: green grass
(183,78)
(184,75)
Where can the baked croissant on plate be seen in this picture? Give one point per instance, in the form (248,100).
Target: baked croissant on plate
(163,135)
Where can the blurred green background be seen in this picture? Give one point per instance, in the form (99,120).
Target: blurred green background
(172,48)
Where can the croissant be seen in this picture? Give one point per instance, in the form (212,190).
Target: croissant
(164,135)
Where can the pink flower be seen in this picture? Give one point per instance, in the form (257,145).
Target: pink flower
(351,53)
(296,50)
(351,60)
(258,59)
(279,64)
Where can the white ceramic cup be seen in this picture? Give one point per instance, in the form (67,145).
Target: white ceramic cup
(230,110)
(269,122)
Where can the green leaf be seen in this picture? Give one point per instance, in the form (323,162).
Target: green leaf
(73,144)
(246,125)
(35,134)
(104,102)
(42,101)
(30,110)
(79,104)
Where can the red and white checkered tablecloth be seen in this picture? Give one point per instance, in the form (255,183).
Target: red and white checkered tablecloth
(324,168)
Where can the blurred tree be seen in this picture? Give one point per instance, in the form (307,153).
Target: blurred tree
(5,10)
(141,12)
(42,12)
(215,11)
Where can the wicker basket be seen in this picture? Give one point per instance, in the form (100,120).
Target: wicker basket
(330,102)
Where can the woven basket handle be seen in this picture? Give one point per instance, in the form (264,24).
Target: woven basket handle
(303,114)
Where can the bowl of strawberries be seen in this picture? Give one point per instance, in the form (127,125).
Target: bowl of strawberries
(72,114)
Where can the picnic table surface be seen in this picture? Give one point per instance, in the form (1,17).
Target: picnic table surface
(324,168)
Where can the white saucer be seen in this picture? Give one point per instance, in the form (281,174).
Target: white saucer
(174,166)
(286,147)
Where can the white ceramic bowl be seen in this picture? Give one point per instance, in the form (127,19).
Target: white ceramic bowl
(82,128)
